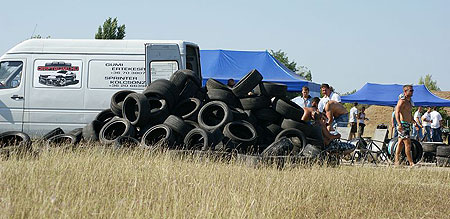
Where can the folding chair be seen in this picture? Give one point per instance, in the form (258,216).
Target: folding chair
(366,147)
(345,133)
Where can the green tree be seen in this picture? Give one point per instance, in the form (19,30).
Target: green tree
(429,83)
(282,57)
(111,30)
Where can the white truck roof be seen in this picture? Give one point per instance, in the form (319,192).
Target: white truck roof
(89,46)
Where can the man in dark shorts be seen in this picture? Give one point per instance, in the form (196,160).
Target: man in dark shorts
(352,119)
(403,116)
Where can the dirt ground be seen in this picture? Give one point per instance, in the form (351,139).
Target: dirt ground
(382,115)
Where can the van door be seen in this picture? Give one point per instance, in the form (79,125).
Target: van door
(162,60)
(12,90)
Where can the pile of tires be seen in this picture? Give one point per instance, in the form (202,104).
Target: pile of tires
(443,156)
(253,117)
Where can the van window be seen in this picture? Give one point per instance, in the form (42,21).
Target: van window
(162,69)
(10,74)
(192,59)
(57,73)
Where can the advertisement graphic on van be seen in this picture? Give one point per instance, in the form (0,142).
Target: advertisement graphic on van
(116,74)
(57,73)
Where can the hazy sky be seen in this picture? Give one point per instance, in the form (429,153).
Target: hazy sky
(343,43)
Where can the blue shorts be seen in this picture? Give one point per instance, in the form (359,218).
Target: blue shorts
(341,121)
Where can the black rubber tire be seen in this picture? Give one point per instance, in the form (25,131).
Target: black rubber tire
(163,89)
(188,109)
(117,101)
(224,96)
(198,139)
(78,132)
(297,137)
(180,76)
(312,151)
(214,115)
(288,109)
(136,108)
(159,110)
(190,89)
(191,124)
(56,131)
(416,150)
(105,116)
(443,151)
(270,89)
(306,128)
(239,114)
(240,131)
(215,84)
(443,161)
(92,130)
(251,117)
(177,125)
(429,147)
(126,142)
(115,128)
(247,83)
(265,136)
(201,94)
(254,102)
(268,114)
(63,140)
(15,139)
(280,147)
(274,129)
(156,134)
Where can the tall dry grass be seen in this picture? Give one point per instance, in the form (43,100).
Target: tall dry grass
(98,182)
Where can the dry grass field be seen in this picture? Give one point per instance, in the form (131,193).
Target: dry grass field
(99,182)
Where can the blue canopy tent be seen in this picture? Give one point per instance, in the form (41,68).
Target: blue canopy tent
(387,95)
(225,64)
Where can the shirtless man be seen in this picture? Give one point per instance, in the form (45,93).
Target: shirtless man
(337,115)
(309,112)
(403,116)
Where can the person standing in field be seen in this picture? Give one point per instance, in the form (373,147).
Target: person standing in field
(394,125)
(426,122)
(417,130)
(305,99)
(352,120)
(361,119)
(436,123)
(403,116)
(328,95)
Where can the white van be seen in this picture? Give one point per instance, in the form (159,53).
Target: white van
(49,83)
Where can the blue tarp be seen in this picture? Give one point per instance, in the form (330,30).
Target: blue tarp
(225,64)
(387,95)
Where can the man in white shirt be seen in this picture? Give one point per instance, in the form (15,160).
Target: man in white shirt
(426,123)
(417,129)
(436,123)
(327,95)
(305,99)
(352,120)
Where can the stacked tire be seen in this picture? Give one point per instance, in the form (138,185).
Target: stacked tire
(443,156)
